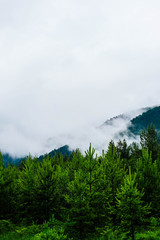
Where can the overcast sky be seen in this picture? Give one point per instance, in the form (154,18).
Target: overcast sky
(65,64)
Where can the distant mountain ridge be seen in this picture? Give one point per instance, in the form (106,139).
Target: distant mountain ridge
(144,120)
(63,150)
(7,159)
(134,124)
(125,116)
(111,120)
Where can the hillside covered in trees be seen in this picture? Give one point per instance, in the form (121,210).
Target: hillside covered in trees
(7,159)
(112,196)
(141,122)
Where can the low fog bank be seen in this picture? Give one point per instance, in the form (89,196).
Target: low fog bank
(18,142)
(99,136)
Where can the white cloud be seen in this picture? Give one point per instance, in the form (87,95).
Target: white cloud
(65,64)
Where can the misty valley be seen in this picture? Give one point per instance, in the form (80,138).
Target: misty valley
(73,195)
(79,120)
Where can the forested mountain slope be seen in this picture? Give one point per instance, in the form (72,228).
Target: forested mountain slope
(144,120)
(135,125)
(133,128)
(7,159)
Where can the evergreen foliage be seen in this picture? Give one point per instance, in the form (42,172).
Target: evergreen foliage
(147,118)
(149,140)
(130,206)
(90,196)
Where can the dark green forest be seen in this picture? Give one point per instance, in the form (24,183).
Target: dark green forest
(152,115)
(84,196)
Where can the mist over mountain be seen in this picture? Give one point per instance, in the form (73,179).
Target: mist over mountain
(126,125)
(141,122)
(126,116)
(64,150)
(144,120)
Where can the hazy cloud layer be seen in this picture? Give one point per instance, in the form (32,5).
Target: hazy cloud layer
(69,64)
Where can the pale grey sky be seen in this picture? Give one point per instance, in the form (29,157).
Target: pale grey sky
(65,64)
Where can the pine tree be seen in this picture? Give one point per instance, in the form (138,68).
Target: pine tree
(131,209)
(75,162)
(123,149)
(98,189)
(26,190)
(114,173)
(86,197)
(148,179)
(149,140)
(51,183)
(78,215)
